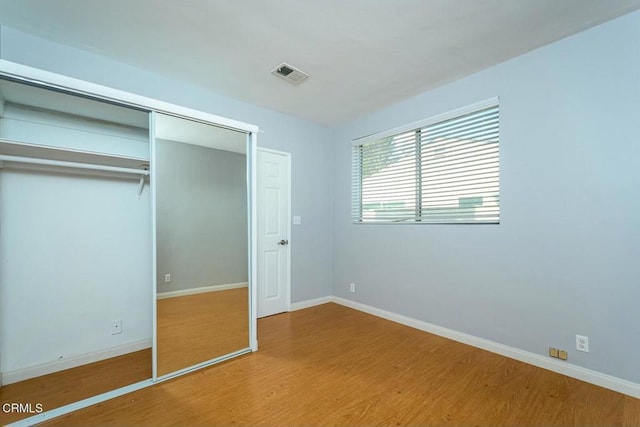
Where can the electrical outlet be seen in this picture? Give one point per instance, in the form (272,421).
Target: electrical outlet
(553,352)
(167,278)
(562,355)
(352,288)
(582,343)
(116,327)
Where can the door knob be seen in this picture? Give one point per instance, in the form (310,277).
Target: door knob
(283,242)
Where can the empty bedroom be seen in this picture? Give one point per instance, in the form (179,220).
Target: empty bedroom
(320,213)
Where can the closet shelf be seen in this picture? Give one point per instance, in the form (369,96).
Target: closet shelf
(21,152)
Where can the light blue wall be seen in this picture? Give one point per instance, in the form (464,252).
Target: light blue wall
(308,142)
(201,216)
(565,259)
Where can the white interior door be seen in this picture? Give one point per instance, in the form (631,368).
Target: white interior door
(274,183)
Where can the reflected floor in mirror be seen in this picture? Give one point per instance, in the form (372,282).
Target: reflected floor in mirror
(68,386)
(196,328)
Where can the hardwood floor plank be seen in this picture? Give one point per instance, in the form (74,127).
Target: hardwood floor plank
(64,387)
(330,365)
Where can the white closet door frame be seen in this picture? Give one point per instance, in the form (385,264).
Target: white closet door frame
(252,201)
(57,81)
(30,75)
(252,152)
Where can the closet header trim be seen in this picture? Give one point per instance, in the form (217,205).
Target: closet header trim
(55,81)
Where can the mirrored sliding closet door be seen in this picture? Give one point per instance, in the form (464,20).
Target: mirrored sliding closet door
(75,247)
(202,242)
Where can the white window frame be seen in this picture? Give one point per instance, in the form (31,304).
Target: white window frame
(356,180)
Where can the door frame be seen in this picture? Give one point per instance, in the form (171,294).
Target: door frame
(288,156)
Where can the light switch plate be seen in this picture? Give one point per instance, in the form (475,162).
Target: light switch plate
(297,220)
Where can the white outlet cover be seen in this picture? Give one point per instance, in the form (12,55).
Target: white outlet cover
(116,327)
(582,343)
(297,220)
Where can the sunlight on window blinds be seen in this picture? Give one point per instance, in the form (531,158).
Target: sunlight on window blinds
(444,172)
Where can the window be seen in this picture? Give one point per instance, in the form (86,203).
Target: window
(442,170)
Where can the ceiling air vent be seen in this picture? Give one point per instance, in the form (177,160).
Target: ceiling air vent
(289,73)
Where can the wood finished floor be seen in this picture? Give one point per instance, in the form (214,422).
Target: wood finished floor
(191,329)
(330,365)
(64,387)
(200,327)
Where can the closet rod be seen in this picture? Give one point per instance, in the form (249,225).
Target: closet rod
(47,162)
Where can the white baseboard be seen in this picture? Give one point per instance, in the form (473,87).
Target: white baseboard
(10,377)
(587,375)
(310,303)
(193,291)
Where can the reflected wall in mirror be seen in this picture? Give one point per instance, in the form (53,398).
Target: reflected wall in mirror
(201,242)
(75,248)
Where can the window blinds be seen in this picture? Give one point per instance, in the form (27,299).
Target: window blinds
(443,171)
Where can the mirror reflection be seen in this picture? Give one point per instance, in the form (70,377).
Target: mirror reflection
(202,242)
(75,279)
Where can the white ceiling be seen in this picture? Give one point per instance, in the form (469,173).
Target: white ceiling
(361,54)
